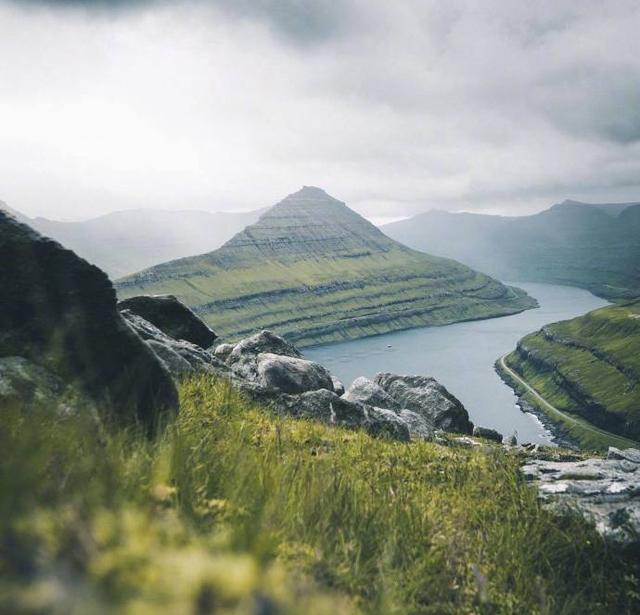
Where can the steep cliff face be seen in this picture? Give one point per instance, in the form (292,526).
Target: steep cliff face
(588,366)
(314,271)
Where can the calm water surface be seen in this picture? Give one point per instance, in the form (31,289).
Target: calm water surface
(461,356)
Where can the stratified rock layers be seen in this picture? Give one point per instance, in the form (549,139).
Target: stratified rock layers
(314,271)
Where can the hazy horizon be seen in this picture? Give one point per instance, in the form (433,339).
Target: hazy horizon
(395,109)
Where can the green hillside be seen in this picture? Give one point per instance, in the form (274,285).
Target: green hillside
(233,511)
(593,246)
(588,366)
(315,271)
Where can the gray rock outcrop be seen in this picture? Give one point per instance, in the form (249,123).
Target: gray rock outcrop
(179,356)
(604,491)
(427,397)
(243,359)
(327,407)
(487,434)
(291,374)
(368,392)
(172,317)
(59,312)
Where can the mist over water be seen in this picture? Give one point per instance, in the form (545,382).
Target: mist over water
(461,356)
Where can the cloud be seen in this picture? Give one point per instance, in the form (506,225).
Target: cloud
(393,107)
(297,21)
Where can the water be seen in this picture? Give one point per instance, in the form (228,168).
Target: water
(461,356)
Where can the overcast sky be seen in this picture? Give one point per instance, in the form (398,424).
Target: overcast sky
(395,107)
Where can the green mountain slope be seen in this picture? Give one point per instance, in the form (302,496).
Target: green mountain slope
(315,271)
(588,366)
(593,246)
(123,242)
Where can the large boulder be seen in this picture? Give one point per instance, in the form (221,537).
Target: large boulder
(59,312)
(368,392)
(243,359)
(327,407)
(172,317)
(427,397)
(488,434)
(291,374)
(179,356)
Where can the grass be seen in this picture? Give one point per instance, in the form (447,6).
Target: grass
(235,510)
(588,366)
(315,272)
(569,426)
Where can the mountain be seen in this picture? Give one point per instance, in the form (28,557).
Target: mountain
(588,367)
(315,271)
(123,242)
(593,246)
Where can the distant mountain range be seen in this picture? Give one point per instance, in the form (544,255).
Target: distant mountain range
(124,242)
(315,271)
(593,246)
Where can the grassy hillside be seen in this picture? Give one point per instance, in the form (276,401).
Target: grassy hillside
(315,271)
(589,366)
(233,510)
(596,247)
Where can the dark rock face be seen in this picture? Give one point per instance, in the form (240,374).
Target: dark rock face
(488,434)
(172,317)
(28,386)
(428,398)
(179,356)
(60,312)
(338,387)
(292,375)
(604,491)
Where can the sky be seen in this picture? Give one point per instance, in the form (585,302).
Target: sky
(498,106)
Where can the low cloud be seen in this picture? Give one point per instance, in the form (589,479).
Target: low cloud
(393,107)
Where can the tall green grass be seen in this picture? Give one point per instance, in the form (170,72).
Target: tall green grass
(234,510)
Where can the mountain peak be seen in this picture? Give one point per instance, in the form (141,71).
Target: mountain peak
(308,222)
(311,192)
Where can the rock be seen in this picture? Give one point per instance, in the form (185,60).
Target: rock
(59,312)
(419,427)
(179,356)
(488,434)
(368,392)
(172,317)
(27,386)
(292,375)
(327,407)
(338,387)
(387,423)
(427,397)
(243,358)
(630,454)
(604,491)
(223,351)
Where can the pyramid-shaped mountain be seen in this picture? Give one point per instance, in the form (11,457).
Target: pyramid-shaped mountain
(315,271)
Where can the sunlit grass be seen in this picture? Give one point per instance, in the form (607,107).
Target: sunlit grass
(232,509)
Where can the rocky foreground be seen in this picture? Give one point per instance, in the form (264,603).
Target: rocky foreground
(65,344)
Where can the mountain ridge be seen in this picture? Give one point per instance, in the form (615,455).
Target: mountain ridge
(316,271)
(126,241)
(571,243)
